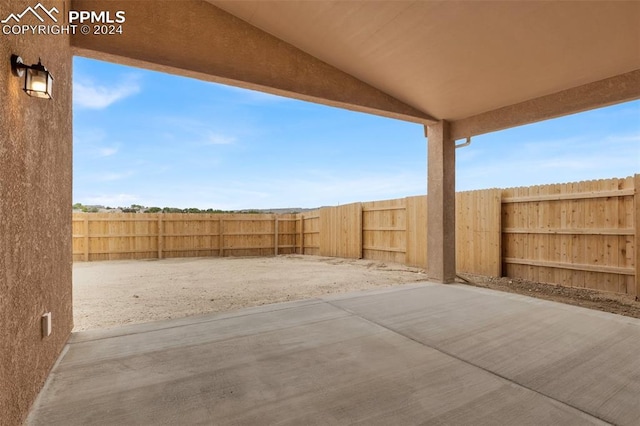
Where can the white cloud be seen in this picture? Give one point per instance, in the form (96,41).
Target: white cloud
(630,138)
(110,177)
(88,136)
(107,151)
(198,131)
(87,94)
(584,156)
(321,187)
(90,144)
(539,170)
(215,139)
(112,200)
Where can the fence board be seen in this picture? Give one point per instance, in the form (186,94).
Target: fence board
(341,231)
(287,236)
(633,288)
(416,217)
(478,238)
(384,230)
(311,238)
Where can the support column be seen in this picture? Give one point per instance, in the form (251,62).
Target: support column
(635,287)
(441,204)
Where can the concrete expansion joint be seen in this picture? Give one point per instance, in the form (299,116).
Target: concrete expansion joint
(454,356)
(143,329)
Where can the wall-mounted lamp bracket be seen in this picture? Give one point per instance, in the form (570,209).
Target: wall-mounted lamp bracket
(17,66)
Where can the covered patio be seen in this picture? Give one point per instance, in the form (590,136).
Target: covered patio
(437,353)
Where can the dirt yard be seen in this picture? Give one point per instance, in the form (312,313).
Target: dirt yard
(109,294)
(592,299)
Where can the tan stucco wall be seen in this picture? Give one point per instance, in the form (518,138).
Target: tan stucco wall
(35,217)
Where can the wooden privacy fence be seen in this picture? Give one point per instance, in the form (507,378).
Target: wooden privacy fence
(109,236)
(396,231)
(581,234)
(391,230)
(576,234)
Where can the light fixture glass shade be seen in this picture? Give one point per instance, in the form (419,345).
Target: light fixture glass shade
(38,82)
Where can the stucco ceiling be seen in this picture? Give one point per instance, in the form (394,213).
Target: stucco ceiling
(454,59)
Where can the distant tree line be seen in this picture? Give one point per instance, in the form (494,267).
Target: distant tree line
(137,208)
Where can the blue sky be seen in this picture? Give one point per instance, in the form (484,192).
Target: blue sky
(143,137)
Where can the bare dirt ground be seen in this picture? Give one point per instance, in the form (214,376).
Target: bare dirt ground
(114,293)
(109,294)
(592,299)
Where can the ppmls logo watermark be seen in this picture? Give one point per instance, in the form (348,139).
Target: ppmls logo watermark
(39,20)
(34,11)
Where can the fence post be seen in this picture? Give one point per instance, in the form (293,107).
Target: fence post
(636,227)
(275,243)
(361,233)
(221,237)
(160,236)
(86,237)
(301,233)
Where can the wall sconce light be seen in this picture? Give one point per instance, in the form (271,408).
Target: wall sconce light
(38,82)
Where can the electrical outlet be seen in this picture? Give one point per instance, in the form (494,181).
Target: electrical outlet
(46,324)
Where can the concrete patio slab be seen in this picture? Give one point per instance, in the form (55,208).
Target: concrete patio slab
(425,353)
